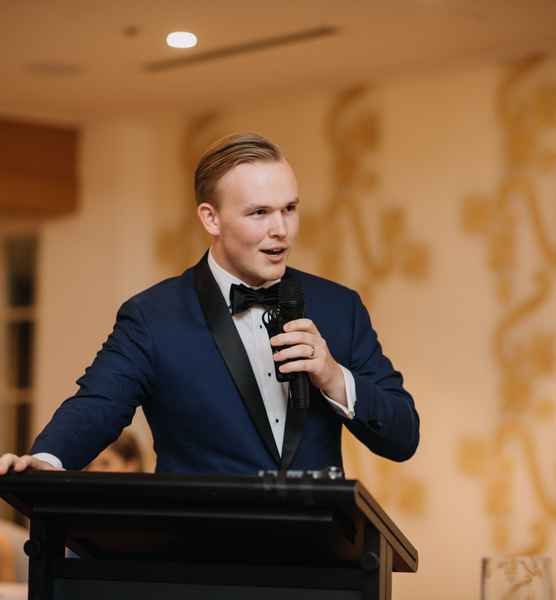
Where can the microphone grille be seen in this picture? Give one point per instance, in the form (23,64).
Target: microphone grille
(290,296)
(289,290)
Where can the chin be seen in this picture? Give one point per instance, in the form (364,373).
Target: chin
(276,274)
(268,274)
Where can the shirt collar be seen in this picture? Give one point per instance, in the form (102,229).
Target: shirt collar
(224,279)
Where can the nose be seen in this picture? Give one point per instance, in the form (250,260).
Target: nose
(278,226)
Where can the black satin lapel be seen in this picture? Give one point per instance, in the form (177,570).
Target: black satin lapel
(294,420)
(221,325)
(292,435)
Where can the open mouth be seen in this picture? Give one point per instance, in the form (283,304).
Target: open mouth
(274,251)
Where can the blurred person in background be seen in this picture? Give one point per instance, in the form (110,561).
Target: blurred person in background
(122,456)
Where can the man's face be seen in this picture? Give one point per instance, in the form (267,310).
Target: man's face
(256,222)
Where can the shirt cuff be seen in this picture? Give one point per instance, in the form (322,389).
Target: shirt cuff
(50,459)
(348,411)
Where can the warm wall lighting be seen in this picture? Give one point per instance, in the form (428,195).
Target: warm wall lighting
(181,39)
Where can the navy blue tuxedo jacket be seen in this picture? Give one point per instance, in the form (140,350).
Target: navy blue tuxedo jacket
(175,351)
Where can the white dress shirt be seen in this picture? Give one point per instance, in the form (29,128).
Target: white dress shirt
(255,339)
(254,336)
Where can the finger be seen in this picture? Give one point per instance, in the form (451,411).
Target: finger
(293,338)
(298,366)
(22,462)
(6,461)
(299,351)
(301,325)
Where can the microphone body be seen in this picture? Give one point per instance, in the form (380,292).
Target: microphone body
(290,307)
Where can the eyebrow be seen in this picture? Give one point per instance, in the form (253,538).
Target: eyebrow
(259,206)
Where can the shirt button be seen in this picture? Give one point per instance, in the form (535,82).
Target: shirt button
(260,326)
(269,374)
(277,420)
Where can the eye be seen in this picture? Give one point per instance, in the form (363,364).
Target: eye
(259,212)
(291,208)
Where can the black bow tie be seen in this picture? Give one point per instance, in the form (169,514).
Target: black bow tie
(243,297)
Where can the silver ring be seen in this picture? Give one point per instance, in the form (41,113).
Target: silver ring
(312,352)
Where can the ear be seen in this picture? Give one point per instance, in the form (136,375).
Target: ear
(209,217)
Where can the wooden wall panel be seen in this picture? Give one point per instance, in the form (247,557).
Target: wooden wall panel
(38,170)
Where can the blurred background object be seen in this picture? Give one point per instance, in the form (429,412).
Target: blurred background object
(517,577)
(13,561)
(123,456)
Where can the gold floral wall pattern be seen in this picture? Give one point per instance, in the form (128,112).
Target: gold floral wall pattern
(362,240)
(187,241)
(517,223)
(370,235)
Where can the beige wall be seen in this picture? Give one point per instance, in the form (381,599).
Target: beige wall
(413,149)
(93,261)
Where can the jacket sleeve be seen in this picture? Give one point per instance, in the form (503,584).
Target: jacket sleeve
(385,417)
(118,381)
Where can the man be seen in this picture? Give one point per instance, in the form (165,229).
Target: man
(206,378)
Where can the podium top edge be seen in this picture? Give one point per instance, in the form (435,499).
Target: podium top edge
(31,478)
(29,489)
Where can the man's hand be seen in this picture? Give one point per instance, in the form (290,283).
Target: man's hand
(20,463)
(305,343)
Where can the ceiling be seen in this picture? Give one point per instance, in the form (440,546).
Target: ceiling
(75,60)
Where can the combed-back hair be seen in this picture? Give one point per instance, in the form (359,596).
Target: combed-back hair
(225,154)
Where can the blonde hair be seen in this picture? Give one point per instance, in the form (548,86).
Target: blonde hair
(224,155)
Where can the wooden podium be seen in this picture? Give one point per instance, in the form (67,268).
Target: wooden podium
(144,536)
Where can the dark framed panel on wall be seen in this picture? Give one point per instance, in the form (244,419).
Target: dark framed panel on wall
(19,247)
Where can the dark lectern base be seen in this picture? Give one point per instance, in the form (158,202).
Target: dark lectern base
(125,580)
(65,589)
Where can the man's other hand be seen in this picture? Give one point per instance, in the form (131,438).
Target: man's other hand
(21,463)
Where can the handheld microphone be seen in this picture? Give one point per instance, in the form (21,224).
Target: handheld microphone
(290,306)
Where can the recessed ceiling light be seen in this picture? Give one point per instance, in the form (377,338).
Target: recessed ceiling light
(181,39)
